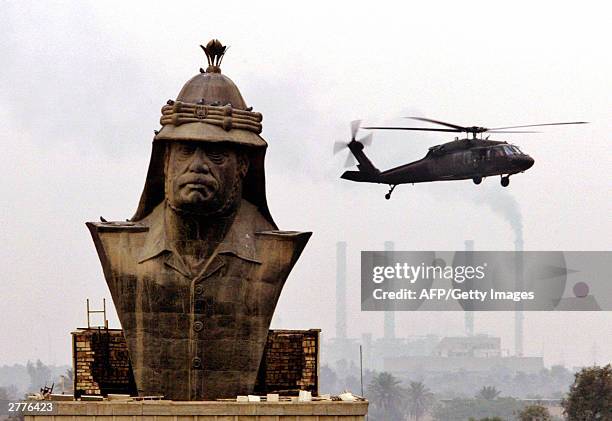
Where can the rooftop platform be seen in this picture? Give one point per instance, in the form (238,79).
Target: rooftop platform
(203,411)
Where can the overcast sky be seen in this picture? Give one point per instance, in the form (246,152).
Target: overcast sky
(82,85)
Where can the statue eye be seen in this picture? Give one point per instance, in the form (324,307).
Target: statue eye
(218,157)
(217,154)
(187,149)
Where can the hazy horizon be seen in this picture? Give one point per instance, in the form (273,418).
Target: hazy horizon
(83,84)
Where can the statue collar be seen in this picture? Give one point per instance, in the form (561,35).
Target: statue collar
(239,240)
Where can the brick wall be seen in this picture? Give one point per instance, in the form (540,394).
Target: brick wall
(102,366)
(290,362)
(101,362)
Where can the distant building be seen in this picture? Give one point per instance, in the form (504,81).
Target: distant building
(407,365)
(465,353)
(480,346)
(427,354)
(375,350)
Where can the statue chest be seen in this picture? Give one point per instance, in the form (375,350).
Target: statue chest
(227,289)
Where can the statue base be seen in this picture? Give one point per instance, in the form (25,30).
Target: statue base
(203,411)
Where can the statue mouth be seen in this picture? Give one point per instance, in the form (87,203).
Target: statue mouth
(199,183)
(197,186)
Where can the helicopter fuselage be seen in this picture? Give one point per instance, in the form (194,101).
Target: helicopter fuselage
(469,158)
(457,160)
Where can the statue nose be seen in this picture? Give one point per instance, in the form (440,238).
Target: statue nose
(199,163)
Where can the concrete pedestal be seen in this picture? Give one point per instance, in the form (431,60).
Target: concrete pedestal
(203,411)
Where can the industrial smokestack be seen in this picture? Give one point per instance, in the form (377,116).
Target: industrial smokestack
(469,315)
(520,285)
(341,289)
(504,204)
(389,315)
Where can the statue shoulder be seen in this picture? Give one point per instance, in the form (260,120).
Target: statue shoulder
(281,248)
(280,235)
(118,243)
(116,226)
(264,229)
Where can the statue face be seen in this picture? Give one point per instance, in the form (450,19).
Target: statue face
(204,178)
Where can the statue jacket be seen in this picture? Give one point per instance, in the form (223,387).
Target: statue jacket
(196,336)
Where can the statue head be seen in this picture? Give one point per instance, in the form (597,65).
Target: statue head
(208,154)
(204,178)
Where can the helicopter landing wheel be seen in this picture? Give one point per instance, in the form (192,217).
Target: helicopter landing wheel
(477,180)
(388,195)
(505,181)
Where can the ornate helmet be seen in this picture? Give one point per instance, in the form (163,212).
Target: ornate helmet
(209,108)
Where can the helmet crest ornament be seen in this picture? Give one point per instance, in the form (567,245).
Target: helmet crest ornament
(214,51)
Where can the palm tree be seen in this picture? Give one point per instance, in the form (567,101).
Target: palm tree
(534,412)
(420,399)
(385,392)
(488,393)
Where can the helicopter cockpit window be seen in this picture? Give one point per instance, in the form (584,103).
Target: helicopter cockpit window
(516,150)
(498,152)
(509,151)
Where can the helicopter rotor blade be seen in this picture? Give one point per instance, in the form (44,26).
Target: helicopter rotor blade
(426,129)
(366,140)
(511,131)
(338,146)
(355,127)
(537,125)
(350,161)
(454,126)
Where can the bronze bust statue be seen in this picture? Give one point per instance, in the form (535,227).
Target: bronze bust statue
(196,273)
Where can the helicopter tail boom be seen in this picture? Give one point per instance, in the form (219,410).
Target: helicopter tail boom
(367,171)
(366,168)
(360,176)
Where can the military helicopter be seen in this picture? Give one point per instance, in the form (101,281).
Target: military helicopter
(470,158)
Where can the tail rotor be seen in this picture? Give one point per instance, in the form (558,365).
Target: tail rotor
(355,124)
(364,141)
